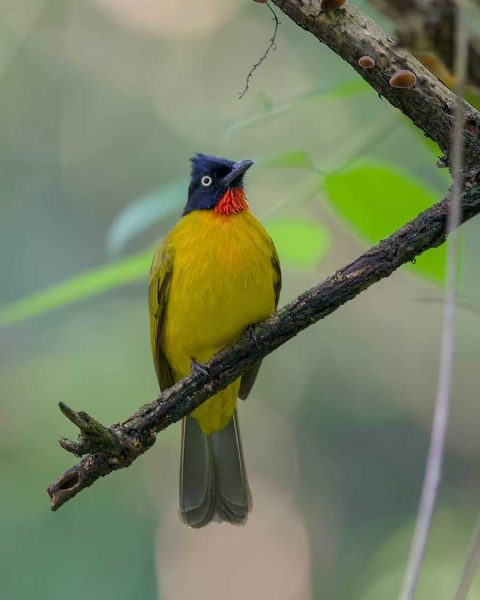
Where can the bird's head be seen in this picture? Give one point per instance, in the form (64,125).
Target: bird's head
(217,184)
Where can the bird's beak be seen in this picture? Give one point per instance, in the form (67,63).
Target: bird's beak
(238,170)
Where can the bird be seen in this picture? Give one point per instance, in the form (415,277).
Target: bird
(214,275)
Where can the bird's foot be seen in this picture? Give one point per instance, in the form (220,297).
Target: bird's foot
(197,368)
(250,331)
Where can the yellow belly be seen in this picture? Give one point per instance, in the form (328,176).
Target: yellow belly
(222,281)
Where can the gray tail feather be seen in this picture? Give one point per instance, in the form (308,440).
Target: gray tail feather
(197,486)
(213,480)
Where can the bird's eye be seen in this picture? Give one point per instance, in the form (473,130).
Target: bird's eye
(207,180)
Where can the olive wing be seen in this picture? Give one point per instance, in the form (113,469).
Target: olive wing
(160,278)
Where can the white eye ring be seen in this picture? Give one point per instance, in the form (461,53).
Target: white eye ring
(207,180)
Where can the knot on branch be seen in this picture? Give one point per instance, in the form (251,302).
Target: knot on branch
(114,442)
(107,449)
(93,436)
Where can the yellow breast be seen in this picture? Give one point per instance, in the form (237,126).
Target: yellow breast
(222,281)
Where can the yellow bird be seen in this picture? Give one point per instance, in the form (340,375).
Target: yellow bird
(215,274)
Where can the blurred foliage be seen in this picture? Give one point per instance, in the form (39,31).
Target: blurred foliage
(158,208)
(292,158)
(96,281)
(384,200)
(299,241)
(443,564)
(269,111)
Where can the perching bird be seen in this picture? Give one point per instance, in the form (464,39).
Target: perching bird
(215,274)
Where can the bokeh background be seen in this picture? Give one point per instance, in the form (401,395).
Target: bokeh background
(102,102)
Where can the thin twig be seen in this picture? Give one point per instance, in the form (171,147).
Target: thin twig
(271,46)
(433,469)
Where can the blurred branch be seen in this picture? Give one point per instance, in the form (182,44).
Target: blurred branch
(436,451)
(471,565)
(430,105)
(428,28)
(351,34)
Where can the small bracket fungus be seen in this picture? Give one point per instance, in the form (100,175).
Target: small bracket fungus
(403,79)
(331,4)
(367,62)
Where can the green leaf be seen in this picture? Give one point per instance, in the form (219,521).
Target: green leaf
(91,283)
(299,241)
(432,148)
(161,206)
(472,97)
(297,159)
(378,199)
(335,92)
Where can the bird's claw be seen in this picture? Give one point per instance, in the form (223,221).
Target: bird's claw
(197,368)
(250,330)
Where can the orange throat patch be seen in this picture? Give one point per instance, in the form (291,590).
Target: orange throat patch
(232,202)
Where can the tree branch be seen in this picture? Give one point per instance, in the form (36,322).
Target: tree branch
(426,26)
(351,34)
(430,105)
(118,446)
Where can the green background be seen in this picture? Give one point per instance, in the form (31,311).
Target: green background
(101,105)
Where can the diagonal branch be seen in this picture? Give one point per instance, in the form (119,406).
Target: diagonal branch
(136,435)
(428,28)
(429,105)
(351,34)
